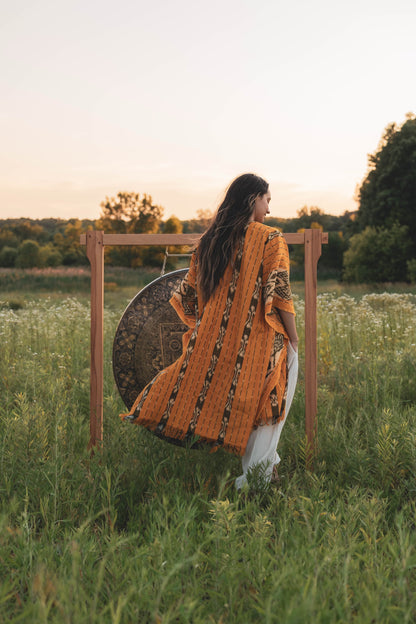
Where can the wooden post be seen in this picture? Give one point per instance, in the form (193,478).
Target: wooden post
(95,254)
(313,249)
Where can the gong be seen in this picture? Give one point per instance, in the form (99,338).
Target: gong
(148,337)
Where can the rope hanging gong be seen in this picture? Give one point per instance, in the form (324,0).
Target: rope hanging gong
(177,255)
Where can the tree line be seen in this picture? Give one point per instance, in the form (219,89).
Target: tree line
(376,243)
(29,243)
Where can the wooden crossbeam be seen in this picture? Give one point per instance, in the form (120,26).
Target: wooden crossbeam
(298,238)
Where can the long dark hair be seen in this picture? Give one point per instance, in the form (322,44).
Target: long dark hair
(219,242)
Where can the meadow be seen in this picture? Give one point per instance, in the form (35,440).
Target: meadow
(150,533)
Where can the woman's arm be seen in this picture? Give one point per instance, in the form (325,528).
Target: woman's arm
(288,320)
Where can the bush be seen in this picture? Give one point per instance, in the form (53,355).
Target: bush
(378,255)
(74,257)
(333,252)
(8,257)
(411,270)
(28,255)
(49,256)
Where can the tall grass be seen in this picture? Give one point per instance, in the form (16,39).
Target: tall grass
(147,532)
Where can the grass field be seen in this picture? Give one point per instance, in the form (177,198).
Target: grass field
(147,532)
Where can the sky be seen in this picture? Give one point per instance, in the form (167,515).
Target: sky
(175,98)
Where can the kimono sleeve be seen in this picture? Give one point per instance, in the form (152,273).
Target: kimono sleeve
(185,299)
(276,287)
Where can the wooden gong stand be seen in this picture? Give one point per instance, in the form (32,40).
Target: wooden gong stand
(95,240)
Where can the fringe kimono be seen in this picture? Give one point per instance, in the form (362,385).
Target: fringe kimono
(232,374)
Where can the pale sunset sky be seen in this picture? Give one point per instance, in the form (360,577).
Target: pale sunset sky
(175,98)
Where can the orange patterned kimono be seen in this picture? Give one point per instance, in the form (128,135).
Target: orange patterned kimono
(232,374)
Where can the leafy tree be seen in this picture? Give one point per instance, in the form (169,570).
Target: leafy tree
(388,193)
(129,213)
(8,257)
(58,239)
(26,229)
(200,224)
(68,244)
(333,253)
(378,255)
(49,256)
(8,238)
(28,254)
(308,216)
(411,270)
(173,226)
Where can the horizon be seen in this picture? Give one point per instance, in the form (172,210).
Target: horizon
(164,217)
(210,206)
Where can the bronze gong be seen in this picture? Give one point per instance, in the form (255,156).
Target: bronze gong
(148,337)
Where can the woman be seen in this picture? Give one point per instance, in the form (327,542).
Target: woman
(230,386)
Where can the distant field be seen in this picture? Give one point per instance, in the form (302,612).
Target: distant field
(19,285)
(146,532)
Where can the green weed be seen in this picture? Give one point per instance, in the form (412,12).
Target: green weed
(148,532)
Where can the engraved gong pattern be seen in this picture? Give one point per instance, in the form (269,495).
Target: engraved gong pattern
(148,337)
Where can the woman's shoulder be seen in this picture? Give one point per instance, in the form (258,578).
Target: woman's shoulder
(268,231)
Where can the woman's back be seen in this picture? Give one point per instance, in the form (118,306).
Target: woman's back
(233,355)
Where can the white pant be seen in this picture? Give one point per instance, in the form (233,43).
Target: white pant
(263,441)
